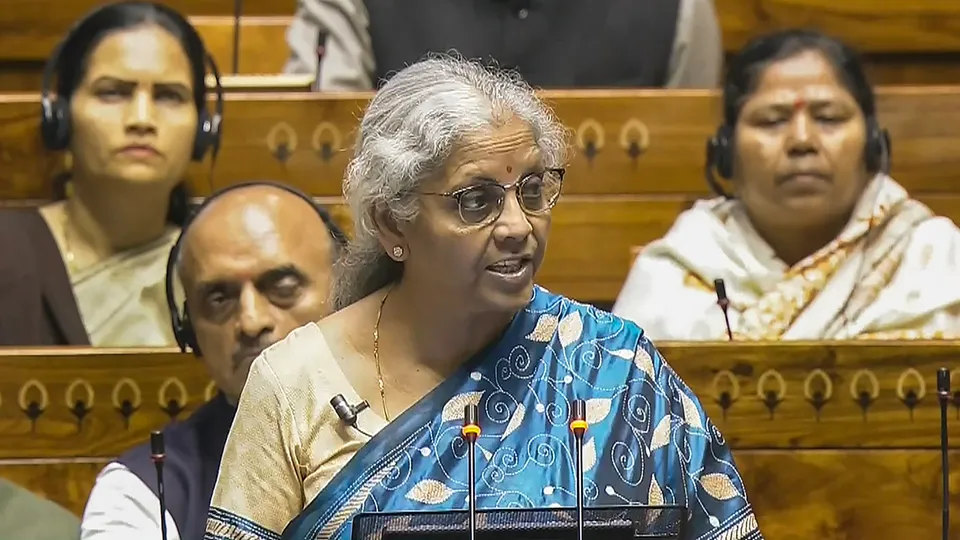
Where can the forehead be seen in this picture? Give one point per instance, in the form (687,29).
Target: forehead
(247,235)
(808,74)
(511,144)
(141,52)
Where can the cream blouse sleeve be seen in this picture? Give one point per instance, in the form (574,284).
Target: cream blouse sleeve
(258,489)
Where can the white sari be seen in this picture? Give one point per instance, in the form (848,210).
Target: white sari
(892,273)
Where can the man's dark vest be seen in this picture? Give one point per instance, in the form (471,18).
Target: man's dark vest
(552,43)
(194,448)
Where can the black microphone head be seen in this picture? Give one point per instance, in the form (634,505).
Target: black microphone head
(721,289)
(943,381)
(156,443)
(343,409)
(578,410)
(471,415)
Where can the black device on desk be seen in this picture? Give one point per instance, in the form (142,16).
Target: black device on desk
(609,523)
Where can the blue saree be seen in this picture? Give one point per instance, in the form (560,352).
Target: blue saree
(649,441)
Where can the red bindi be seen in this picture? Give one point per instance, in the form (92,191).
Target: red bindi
(799,104)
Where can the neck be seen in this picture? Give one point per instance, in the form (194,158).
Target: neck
(439,332)
(112,219)
(794,244)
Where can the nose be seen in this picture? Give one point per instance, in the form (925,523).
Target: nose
(802,135)
(513,225)
(141,113)
(254,318)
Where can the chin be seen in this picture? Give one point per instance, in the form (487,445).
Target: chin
(140,175)
(508,302)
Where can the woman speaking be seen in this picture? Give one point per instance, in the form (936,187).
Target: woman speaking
(455,173)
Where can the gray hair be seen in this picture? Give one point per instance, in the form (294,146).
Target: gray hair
(408,131)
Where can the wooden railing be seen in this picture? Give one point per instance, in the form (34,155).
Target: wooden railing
(833,440)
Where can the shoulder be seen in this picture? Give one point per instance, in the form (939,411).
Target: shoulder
(575,323)
(24,514)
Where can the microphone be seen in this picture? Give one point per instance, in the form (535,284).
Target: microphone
(943,392)
(158,455)
(321,51)
(237,13)
(471,431)
(348,413)
(724,303)
(578,424)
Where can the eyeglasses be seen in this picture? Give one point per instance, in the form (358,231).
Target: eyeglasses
(482,204)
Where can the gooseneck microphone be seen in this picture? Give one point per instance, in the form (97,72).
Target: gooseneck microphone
(471,431)
(724,304)
(158,455)
(348,413)
(943,392)
(578,425)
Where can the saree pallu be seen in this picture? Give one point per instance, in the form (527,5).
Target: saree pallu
(649,440)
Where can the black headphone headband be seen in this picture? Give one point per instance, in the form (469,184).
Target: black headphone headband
(55,114)
(180,323)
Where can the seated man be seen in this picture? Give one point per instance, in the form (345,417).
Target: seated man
(25,515)
(254,265)
(358,44)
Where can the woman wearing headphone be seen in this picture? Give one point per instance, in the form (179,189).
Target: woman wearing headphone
(815,241)
(130,109)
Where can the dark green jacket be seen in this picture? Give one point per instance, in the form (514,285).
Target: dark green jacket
(26,516)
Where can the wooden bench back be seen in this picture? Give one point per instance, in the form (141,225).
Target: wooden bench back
(833,440)
(638,159)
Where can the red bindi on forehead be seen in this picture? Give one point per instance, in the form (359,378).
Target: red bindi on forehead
(799,104)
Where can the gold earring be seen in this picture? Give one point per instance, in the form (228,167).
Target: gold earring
(397,252)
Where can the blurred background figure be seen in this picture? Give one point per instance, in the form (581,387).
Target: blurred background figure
(129,105)
(552,43)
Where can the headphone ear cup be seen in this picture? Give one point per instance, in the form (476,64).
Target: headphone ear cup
(202,140)
(723,152)
(186,335)
(55,124)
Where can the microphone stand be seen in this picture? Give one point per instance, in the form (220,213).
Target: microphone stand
(471,431)
(724,303)
(158,456)
(578,424)
(943,393)
(237,13)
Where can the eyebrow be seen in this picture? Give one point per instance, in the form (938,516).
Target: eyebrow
(109,79)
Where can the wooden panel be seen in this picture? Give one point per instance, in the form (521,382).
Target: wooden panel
(869,25)
(848,494)
(821,395)
(30,29)
(304,139)
(41,388)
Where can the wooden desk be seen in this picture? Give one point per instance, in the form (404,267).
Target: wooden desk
(833,440)
(637,162)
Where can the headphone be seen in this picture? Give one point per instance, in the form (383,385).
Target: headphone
(55,111)
(720,158)
(180,317)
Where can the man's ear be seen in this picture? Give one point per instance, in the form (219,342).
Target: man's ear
(390,233)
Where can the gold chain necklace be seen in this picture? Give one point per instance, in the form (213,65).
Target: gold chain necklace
(376,355)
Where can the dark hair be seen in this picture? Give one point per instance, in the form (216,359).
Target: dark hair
(747,67)
(90,31)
